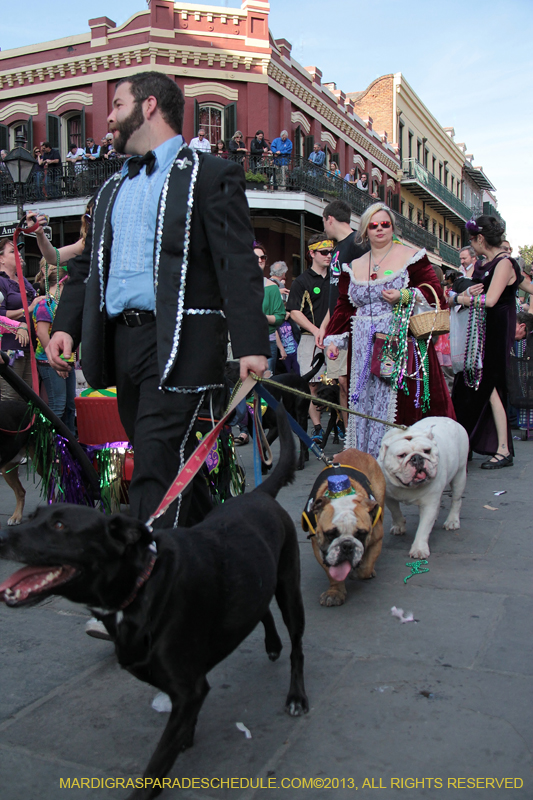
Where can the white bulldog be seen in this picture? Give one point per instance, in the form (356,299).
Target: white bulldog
(418,463)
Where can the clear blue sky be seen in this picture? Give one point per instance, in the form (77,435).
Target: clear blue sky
(471,63)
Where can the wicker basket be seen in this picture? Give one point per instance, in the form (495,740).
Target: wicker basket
(430,323)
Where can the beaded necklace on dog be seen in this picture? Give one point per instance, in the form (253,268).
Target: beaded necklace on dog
(475,343)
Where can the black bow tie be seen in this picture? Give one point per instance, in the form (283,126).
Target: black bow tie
(136,163)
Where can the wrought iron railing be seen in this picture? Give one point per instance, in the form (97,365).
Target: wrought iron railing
(300,174)
(271,173)
(56,182)
(491,211)
(449,254)
(414,170)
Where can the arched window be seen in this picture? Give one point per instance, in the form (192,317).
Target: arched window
(22,126)
(211,119)
(72,130)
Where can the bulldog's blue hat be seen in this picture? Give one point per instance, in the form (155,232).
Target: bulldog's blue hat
(338,486)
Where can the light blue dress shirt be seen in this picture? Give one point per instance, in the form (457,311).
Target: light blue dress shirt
(134,218)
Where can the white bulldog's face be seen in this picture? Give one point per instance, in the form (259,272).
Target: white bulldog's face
(409,459)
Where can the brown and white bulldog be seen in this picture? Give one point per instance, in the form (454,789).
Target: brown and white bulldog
(344,515)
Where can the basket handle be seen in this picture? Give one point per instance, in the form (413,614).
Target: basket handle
(429,286)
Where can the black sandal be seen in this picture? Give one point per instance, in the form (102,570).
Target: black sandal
(241,439)
(502,461)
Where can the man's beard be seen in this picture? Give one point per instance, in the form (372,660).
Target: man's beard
(127,128)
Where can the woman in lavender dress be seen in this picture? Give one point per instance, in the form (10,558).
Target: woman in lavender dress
(368,290)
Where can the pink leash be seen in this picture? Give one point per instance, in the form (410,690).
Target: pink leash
(20,277)
(195,461)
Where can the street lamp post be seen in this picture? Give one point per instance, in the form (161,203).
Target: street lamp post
(19,162)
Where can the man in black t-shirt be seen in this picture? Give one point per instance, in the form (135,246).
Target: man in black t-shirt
(308,305)
(337,216)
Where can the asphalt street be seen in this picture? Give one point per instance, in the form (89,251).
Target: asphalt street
(428,709)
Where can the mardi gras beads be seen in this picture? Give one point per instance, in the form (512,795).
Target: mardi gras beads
(475,343)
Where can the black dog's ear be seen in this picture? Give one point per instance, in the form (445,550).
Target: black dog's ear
(126,530)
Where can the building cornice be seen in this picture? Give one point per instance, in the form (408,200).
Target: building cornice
(62,73)
(300,95)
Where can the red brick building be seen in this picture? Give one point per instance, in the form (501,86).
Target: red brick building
(233,75)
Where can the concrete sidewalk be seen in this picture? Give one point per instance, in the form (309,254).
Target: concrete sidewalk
(447,698)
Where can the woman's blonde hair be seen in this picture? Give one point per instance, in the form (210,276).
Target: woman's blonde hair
(238,133)
(367,217)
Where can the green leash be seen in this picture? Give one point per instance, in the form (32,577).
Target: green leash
(416,568)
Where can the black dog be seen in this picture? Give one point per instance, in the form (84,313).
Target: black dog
(15,425)
(206,590)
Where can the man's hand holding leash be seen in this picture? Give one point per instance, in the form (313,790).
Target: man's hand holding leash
(257,364)
(60,347)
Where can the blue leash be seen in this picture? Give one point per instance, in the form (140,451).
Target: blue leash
(297,429)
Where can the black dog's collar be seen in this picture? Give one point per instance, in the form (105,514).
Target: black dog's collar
(139,583)
(309,518)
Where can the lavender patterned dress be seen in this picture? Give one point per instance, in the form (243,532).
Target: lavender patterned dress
(375,397)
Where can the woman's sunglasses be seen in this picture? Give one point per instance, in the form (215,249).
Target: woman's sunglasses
(374,225)
(261,258)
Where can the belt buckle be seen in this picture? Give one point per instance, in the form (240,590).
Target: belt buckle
(128,315)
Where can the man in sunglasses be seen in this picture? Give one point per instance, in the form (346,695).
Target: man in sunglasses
(308,305)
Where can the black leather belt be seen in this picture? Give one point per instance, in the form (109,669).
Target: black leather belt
(134,318)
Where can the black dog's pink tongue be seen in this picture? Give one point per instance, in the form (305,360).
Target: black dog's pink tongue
(340,571)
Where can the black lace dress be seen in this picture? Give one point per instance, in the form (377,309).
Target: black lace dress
(472,407)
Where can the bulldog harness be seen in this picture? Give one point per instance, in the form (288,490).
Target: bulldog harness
(308,516)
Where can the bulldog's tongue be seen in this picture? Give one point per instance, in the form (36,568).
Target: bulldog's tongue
(340,571)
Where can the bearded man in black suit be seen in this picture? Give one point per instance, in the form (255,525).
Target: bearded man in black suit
(167,270)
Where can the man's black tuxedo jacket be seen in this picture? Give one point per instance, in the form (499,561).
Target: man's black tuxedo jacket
(222,276)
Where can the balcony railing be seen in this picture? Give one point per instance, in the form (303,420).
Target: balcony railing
(299,174)
(61,181)
(449,254)
(414,170)
(491,211)
(282,173)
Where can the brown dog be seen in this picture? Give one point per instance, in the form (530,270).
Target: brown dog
(344,515)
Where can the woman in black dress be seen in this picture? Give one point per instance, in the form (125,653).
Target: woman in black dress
(482,411)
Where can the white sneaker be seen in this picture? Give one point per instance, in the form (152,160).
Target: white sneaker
(94,627)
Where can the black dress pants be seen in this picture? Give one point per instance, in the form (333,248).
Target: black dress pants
(159,426)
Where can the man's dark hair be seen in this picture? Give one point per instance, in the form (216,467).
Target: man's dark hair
(316,237)
(47,144)
(523,318)
(169,97)
(258,132)
(339,210)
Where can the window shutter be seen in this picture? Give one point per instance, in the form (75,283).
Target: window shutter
(4,137)
(381,193)
(298,142)
(230,121)
(395,202)
(29,143)
(308,145)
(196,118)
(82,128)
(53,126)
